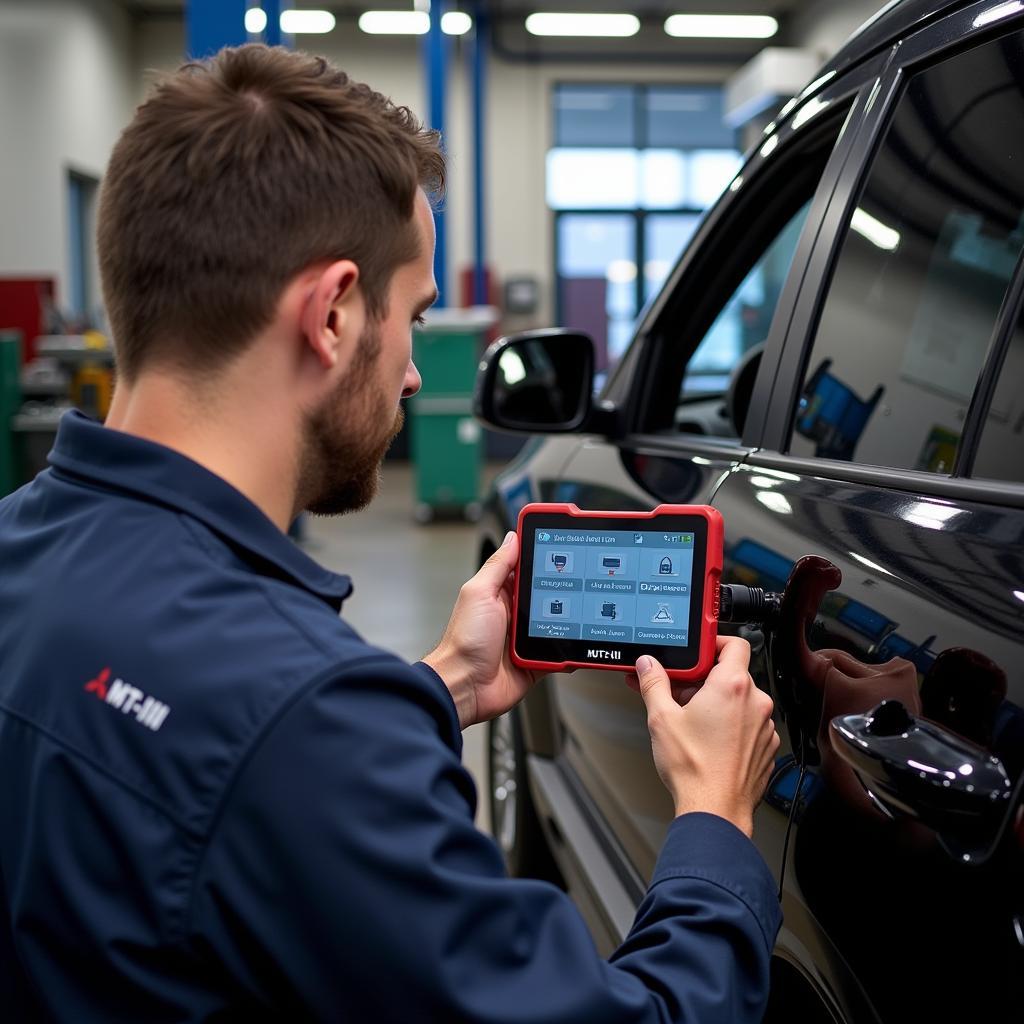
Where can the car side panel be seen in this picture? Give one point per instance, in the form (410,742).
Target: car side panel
(927,600)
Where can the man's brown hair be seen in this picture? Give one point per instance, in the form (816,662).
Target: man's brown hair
(237,174)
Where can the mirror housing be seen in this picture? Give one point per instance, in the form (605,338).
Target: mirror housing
(539,382)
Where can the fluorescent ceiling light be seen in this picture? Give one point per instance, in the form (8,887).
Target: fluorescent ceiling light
(551,24)
(721,26)
(295,23)
(395,23)
(255,20)
(874,230)
(456,23)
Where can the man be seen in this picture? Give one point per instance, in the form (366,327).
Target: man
(219,802)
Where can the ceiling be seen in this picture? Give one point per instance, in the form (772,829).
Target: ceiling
(653,9)
(511,41)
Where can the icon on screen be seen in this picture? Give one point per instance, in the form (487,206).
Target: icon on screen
(608,610)
(557,608)
(543,536)
(613,563)
(665,566)
(558,561)
(663,614)
(638,538)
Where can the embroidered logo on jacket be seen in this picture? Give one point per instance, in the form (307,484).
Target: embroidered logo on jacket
(128,700)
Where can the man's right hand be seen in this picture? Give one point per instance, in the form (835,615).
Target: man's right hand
(714,748)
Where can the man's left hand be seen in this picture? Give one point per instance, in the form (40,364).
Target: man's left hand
(473,657)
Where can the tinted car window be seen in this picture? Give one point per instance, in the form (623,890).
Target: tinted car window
(929,252)
(718,306)
(746,316)
(1000,453)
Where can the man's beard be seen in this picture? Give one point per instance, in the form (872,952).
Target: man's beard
(344,442)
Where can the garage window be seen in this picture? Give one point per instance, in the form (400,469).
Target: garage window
(929,252)
(631,171)
(713,325)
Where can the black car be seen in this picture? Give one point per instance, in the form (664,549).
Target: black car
(868,260)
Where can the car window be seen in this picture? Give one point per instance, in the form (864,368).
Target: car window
(713,323)
(929,251)
(1000,454)
(746,316)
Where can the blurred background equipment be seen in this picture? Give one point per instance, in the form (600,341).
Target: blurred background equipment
(447,443)
(10,401)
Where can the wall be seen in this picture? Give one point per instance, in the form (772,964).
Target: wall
(67,86)
(72,72)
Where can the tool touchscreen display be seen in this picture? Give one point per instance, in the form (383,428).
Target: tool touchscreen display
(614,586)
(601,588)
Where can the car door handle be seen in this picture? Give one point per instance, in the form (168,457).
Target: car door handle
(913,766)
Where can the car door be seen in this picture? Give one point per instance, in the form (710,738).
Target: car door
(736,282)
(892,451)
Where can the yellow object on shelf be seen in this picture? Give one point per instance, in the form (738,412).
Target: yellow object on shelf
(92,389)
(95,340)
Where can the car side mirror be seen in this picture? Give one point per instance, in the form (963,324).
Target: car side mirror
(537,382)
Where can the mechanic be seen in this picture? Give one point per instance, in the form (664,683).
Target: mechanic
(218,801)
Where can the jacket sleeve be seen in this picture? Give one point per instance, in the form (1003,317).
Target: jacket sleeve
(345,880)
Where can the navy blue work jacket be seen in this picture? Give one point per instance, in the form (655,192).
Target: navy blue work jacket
(217,802)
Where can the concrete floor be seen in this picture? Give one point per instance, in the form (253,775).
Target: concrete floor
(382,546)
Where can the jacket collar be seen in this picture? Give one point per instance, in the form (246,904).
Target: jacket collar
(124,462)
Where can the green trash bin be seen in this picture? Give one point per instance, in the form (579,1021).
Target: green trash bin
(447,443)
(10,402)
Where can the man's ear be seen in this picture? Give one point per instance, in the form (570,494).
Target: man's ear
(334,313)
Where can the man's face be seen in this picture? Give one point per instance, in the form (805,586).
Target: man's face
(348,433)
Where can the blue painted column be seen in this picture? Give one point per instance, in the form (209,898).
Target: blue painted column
(481,41)
(272,33)
(435,54)
(213,24)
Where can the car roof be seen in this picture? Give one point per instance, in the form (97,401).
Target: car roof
(886,26)
(881,30)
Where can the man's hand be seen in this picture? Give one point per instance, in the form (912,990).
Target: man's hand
(716,754)
(472,657)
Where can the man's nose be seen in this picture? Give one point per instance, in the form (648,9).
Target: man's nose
(413,381)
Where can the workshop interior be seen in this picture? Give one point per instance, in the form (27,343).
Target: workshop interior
(730,329)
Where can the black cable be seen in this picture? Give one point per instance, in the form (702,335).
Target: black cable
(789,823)
(798,792)
(754,606)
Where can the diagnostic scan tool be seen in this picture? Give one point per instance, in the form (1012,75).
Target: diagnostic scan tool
(598,589)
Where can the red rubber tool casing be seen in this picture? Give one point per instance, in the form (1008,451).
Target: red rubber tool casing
(705,627)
